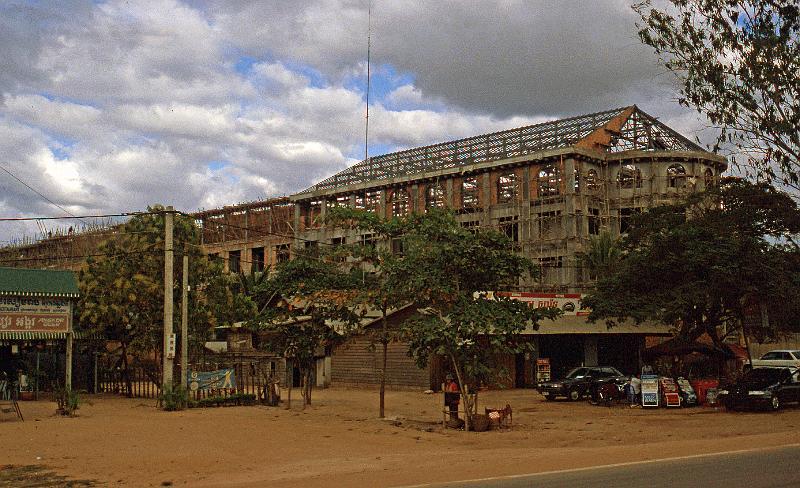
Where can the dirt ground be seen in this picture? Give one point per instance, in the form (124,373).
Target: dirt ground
(339,441)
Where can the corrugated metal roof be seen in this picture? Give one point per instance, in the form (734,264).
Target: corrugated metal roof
(38,283)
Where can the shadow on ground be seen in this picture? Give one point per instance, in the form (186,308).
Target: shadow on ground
(37,476)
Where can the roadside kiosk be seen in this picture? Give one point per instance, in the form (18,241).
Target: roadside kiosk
(36,308)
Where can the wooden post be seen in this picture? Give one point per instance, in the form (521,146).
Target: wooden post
(68,366)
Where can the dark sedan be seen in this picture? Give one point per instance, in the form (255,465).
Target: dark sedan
(577,383)
(766,388)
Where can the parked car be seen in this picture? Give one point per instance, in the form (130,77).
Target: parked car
(769,388)
(577,383)
(778,358)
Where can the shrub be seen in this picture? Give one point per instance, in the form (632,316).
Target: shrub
(174,398)
(68,401)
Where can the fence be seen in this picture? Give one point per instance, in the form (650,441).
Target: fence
(250,375)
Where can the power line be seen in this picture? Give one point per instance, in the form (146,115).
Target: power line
(98,216)
(29,187)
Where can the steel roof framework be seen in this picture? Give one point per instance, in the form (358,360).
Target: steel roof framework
(639,132)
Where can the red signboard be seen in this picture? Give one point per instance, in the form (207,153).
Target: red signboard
(569,303)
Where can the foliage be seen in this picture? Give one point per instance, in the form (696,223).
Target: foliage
(67,401)
(174,398)
(737,62)
(448,270)
(702,263)
(237,399)
(122,290)
(382,286)
(602,255)
(314,291)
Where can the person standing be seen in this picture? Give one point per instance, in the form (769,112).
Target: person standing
(635,391)
(452,396)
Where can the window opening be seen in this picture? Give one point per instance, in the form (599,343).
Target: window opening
(507,188)
(549,181)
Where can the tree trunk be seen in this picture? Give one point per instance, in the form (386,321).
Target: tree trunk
(126,371)
(303,386)
(290,370)
(384,351)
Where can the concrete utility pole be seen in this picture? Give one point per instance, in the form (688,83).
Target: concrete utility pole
(185,320)
(166,379)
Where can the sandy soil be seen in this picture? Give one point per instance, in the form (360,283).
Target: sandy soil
(340,442)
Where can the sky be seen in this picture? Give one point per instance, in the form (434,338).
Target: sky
(111,106)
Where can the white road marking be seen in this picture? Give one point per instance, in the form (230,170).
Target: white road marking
(604,466)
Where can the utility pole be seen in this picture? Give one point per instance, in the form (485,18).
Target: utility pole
(166,379)
(185,320)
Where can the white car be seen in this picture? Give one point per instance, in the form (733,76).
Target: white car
(777,359)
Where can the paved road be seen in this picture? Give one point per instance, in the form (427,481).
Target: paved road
(767,468)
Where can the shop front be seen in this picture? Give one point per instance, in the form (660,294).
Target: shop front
(36,333)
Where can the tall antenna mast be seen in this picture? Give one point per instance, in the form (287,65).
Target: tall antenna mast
(369,42)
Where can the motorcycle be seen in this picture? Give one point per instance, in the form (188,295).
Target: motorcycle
(605,392)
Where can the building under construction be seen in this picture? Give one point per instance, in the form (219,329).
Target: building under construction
(550,187)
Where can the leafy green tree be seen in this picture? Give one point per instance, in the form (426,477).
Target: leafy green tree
(737,62)
(314,311)
(699,264)
(382,286)
(122,291)
(450,271)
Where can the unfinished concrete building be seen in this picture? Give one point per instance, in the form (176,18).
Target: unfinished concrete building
(550,187)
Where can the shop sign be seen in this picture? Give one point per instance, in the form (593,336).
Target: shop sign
(568,303)
(649,390)
(27,314)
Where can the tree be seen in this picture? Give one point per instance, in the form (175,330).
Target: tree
(314,311)
(450,272)
(122,291)
(602,255)
(699,264)
(737,62)
(382,287)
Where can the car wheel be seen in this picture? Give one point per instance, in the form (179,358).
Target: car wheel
(746,368)
(574,395)
(776,403)
(550,398)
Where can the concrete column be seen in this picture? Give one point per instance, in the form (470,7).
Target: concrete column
(486,196)
(590,350)
(448,192)
(414,206)
(296,241)
(568,227)
(382,205)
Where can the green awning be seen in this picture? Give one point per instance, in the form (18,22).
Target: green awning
(38,283)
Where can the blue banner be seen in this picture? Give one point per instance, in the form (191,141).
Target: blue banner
(212,380)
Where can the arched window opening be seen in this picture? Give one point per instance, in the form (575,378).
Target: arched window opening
(591,180)
(469,192)
(629,177)
(399,203)
(434,196)
(676,175)
(708,177)
(507,188)
(549,181)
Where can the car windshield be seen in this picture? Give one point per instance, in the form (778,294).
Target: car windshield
(577,373)
(770,375)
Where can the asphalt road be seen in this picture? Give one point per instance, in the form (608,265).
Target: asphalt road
(766,468)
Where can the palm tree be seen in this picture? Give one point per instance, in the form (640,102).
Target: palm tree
(602,255)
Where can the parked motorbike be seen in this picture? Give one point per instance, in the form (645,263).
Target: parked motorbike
(606,392)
